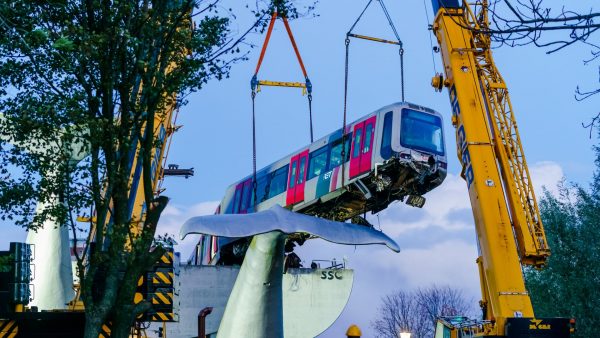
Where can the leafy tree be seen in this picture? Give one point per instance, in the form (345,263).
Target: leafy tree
(5,264)
(568,286)
(95,74)
(81,86)
(417,311)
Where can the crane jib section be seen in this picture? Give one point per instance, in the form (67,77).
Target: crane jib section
(507,220)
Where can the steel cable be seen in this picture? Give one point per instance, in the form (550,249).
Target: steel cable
(343,160)
(430,38)
(401,52)
(254,146)
(310,116)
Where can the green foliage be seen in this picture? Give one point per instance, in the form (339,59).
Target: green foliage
(82,63)
(80,83)
(5,265)
(568,286)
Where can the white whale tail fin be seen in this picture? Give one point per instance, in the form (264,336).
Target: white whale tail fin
(280,219)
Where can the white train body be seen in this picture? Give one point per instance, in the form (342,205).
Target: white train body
(394,153)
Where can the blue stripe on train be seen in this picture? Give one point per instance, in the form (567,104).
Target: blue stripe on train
(324,183)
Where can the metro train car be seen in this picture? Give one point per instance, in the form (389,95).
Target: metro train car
(394,153)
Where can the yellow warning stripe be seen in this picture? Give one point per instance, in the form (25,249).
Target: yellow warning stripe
(8,328)
(105,332)
(162,316)
(163,298)
(162,278)
(138,297)
(167,258)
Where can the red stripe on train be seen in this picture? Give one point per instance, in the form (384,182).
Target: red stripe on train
(334,179)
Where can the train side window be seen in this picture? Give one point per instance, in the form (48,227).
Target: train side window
(348,138)
(318,162)
(301,170)
(368,132)
(229,208)
(261,189)
(357,140)
(293,177)
(246,195)
(236,201)
(335,154)
(278,181)
(386,138)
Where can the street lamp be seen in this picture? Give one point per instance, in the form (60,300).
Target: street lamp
(404,334)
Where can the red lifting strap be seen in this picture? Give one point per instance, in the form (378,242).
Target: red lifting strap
(268,37)
(266,43)
(289,31)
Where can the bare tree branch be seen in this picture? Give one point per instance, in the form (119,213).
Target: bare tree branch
(532,22)
(417,311)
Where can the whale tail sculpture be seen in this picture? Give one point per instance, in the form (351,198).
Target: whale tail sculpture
(53,283)
(255,308)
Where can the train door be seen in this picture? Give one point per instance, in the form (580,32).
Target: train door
(361,151)
(242,197)
(297,178)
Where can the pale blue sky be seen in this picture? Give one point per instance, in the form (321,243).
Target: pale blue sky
(216,137)
(439,240)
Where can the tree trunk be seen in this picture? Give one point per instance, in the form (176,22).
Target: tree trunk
(121,325)
(93,323)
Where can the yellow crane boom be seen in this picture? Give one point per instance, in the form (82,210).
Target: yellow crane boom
(507,219)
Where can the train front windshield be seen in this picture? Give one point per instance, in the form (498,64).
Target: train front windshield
(421,131)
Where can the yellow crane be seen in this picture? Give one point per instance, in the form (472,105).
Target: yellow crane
(509,229)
